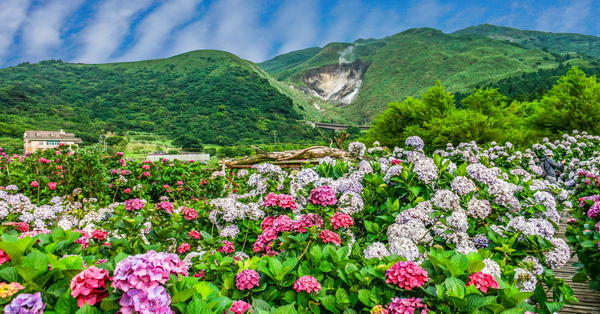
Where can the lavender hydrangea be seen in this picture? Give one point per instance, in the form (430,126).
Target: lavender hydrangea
(426,170)
(26,303)
(463,185)
(416,142)
(376,250)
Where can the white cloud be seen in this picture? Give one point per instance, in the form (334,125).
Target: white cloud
(154,32)
(296,25)
(42,31)
(426,13)
(229,25)
(110,25)
(571,18)
(12,16)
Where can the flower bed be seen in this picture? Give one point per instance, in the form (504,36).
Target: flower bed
(391,233)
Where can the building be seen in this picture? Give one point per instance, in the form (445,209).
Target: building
(40,140)
(183,157)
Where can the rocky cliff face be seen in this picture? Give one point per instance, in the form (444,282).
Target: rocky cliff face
(336,83)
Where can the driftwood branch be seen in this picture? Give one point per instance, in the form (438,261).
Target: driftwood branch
(307,153)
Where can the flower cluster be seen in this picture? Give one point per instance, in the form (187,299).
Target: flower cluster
(247,279)
(483,281)
(134,204)
(307,283)
(407,305)
(141,277)
(281,200)
(406,275)
(323,195)
(341,220)
(90,286)
(7,290)
(329,236)
(26,303)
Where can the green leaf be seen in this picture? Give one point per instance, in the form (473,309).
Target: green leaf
(29,273)
(341,296)
(289,296)
(66,304)
(328,302)
(580,277)
(9,274)
(455,287)
(197,306)
(475,301)
(182,296)
(462,262)
(288,309)
(366,297)
(88,309)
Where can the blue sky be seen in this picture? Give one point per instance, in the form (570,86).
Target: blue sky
(100,31)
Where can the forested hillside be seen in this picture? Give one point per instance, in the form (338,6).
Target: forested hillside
(211,95)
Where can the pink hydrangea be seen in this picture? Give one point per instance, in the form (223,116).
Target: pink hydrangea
(134,204)
(84,239)
(307,283)
(90,286)
(406,306)
(329,236)
(146,167)
(227,248)
(341,220)
(189,213)
(247,279)
(34,184)
(323,195)
(166,206)
(3,257)
(307,221)
(483,281)
(52,185)
(283,223)
(239,307)
(183,248)
(406,275)
(287,201)
(271,199)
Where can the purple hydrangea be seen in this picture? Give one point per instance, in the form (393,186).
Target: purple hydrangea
(147,271)
(26,303)
(154,300)
(323,195)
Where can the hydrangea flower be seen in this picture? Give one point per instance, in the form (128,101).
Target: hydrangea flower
(323,195)
(329,236)
(90,286)
(341,220)
(150,301)
(483,281)
(166,206)
(146,271)
(4,257)
(7,290)
(189,213)
(247,279)
(227,248)
(307,283)
(26,303)
(407,305)
(239,307)
(134,204)
(406,275)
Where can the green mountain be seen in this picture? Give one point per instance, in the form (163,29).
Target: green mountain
(363,77)
(212,95)
(555,42)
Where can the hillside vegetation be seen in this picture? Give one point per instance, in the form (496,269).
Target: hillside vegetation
(214,96)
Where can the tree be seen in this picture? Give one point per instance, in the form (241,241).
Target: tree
(572,104)
(487,101)
(118,142)
(188,142)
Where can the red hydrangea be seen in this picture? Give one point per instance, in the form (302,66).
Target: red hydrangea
(329,236)
(99,234)
(52,185)
(84,239)
(271,199)
(247,279)
(281,200)
(341,220)
(483,281)
(227,247)
(406,275)
(194,234)
(407,305)
(309,284)
(183,248)
(34,184)
(89,286)
(323,195)
(3,257)
(189,213)
(239,307)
